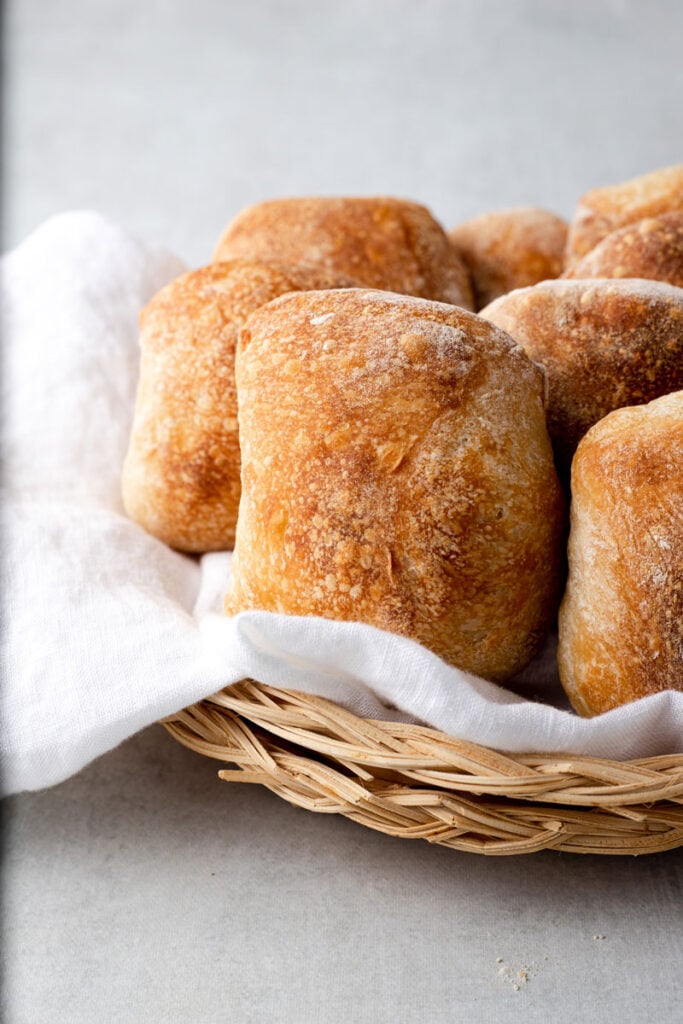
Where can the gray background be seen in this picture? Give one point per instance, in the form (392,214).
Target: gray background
(171,116)
(144,889)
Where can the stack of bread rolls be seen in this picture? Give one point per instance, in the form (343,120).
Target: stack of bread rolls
(322,398)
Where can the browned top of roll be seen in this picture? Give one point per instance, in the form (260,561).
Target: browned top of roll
(651,248)
(386,243)
(507,249)
(603,210)
(603,343)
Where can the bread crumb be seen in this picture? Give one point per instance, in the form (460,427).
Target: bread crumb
(518,977)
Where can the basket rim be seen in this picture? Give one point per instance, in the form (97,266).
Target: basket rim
(415,781)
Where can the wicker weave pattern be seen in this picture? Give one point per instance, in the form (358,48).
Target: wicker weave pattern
(417,783)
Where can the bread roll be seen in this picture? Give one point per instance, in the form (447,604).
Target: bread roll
(603,210)
(181,477)
(509,249)
(382,243)
(397,471)
(621,621)
(651,248)
(603,343)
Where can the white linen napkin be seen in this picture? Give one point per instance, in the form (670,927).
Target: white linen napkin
(107,630)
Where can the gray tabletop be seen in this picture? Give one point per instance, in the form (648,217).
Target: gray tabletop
(144,889)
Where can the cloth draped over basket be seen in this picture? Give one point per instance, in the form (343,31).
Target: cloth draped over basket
(107,630)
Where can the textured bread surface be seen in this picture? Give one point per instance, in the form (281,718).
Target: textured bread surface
(603,210)
(603,343)
(385,243)
(651,248)
(508,249)
(181,476)
(621,620)
(396,470)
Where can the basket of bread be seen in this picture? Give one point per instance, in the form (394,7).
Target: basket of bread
(470,440)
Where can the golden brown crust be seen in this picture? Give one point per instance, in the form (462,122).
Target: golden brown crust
(621,621)
(603,343)
(181,477)
(397,471)
(385,243)
(651,248)
(508,249)
(603,210)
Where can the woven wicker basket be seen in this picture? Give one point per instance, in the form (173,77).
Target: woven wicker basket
(417,783)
